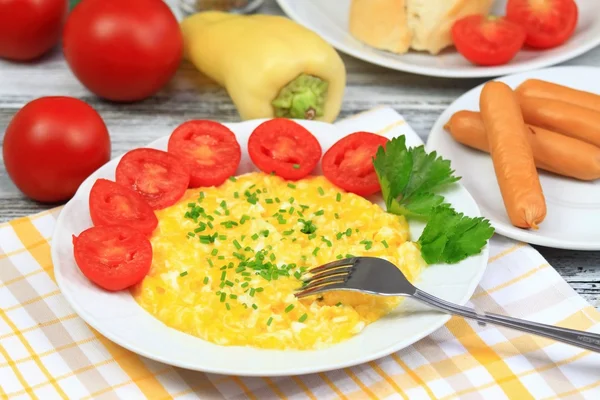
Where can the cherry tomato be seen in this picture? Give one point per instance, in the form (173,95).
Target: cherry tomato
(113,257)
(30,28)
(348,164)
(52,145)
(284,147)
(123,50)
(158,176)
(549,23)
(210,150)
(113,204)
(487,40)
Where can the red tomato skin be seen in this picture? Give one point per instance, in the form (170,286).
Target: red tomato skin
(276,145)
(545,31)
(103,269)
(52,145)
(123,50)
(30,28)
(216,138)
(132,210)
(358,179)
(480,39)
(140,168)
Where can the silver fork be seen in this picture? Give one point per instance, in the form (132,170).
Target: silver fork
(380,277)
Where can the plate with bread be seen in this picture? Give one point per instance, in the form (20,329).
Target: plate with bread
(454,38)
(528,149)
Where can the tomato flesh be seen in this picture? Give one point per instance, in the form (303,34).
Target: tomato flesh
(114,257)
(209,149)
(284,147)
(113,204)
(487,41)
(548,23)
(159,177)
(348,164)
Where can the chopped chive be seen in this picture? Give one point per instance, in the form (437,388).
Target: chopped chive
(291,210)
(297,274)
(277,200)
(339,235)
(269,321)
(258,290)
(255,306)
(205,280)
(236,195)
(291,186)
(272,257)
(239,256)
(348,232)
(338,197)
(244,285)
(287,233)
(349,255)
(254,237)
(233,296)
(320,212)
(282,221)
(269,201)
(296,166)
(214,252)
(321,191)
(223,204)
(336,215)
(289,308)
(252,291)
(265,233)
(223,275)
(227,306)
(384,243)
(218,212)
(303,318)
(191,234)
(223,295)
(222,237)
(236,244)
(229,283)
(312,236)
(184,273)
(210,217)
(328,242)
(210,225)
(339,304)
(232,178)
(191,204)
(244,219)
(210,262)
(315,251)
(339,256)
(221,257)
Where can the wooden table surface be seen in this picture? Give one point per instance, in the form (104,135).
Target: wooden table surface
(420,99)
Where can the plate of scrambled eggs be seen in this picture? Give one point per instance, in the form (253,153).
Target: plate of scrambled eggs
(216,309)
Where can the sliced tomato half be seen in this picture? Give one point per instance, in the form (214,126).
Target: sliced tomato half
(348,164)
(548,23)
(159,177)
(113,257)
(284,147)
(210,150)
(113,204)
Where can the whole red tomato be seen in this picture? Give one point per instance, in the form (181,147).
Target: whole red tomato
(29,28)
(123,50)
(52,144)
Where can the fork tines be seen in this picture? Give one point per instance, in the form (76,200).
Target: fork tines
(327,277)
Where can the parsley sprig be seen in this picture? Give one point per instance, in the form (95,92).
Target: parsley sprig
(410,181)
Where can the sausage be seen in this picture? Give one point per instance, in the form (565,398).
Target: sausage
(552,151)
(553,91)
(512,155)
(558,116)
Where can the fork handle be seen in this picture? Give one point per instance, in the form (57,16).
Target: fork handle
(582,339)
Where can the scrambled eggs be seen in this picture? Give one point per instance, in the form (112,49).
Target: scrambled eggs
(227,261)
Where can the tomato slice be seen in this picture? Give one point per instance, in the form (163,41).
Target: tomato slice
(548,23)
(113,257)
(158,176)
(114,204)
(284,147)
(487,40)
(348,164)
(209,148)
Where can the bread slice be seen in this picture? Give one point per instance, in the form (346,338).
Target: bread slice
(381,24)
(399,25)
(430,21)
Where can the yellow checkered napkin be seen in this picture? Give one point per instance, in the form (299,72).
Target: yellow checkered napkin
(47,352)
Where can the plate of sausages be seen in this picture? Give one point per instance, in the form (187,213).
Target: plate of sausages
(528,149)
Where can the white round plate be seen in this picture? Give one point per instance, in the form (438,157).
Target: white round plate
(118,317)
(329,19)
(573,207)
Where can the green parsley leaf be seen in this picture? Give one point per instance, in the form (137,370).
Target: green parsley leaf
(450,236)
(410,176)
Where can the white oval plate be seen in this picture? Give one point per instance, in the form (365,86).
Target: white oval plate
(573,216)
(329,19)
(118,317)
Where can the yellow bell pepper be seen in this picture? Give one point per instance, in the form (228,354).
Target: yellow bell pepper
(269,65)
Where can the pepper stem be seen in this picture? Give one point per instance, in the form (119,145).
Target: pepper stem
(302,98)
